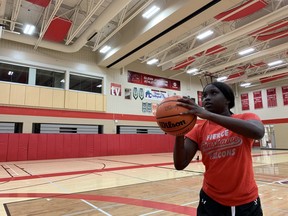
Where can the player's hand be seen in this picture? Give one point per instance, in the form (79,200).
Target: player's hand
(194,109)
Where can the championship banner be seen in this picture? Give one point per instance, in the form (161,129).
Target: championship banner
(285,95)
(258,104)
(135,93)
(245,101)
(141,93)
(149,80)
(144,107)
(199,95)
(154,108)
(271,97)
(128,93)
(149,107)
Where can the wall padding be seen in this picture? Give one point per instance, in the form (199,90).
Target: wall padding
(21,147)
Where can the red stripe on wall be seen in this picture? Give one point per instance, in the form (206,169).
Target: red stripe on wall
(275,121)
(71,114)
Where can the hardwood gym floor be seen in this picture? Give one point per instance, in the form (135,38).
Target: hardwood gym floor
(126,185)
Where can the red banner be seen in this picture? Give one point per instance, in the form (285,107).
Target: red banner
(258,104)
(245,101)
(271,97)
(149,80)
(199,95)
(285,95)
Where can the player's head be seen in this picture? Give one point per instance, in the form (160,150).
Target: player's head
(218,97)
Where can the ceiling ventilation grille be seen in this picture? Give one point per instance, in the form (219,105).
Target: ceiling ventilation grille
(57,30)
(42,3)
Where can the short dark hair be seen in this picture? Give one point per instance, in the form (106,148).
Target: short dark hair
(226,91)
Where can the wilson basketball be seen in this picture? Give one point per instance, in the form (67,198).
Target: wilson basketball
(169,119)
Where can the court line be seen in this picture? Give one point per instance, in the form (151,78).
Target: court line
(154,212)
(12,169)
(23,169)
(86,171)
(95,207)
(33,185)
(79,212)
(102,170)
(124,200)
(88,203)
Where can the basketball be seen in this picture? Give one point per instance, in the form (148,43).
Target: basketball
(169,119)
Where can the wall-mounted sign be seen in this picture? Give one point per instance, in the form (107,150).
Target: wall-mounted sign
(144,107)
(153,94)
(141,93)
(149,80)
(135,93)
(115,89)
(128,93)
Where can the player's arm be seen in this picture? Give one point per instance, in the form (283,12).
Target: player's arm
(184,151)
(253,129)
(249,128)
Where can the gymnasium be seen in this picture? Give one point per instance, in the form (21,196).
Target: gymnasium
(80,82)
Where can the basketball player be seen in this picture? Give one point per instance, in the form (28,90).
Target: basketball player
(225,141)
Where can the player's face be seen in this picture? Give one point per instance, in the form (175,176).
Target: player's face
(213,100)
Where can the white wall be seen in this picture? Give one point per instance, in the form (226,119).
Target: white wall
(118,104)
(278,112)
(84,62)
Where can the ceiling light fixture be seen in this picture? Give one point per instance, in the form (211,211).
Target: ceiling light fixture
(152,61)
(205,34)
(221,79)
(105,49)
(62,81)
(275,63)
(99,86)
(10,73)
(29,29)
(246,51)
(192,71)
(150,12)
(245,84)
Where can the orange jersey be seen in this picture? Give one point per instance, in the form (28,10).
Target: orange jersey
(229,176)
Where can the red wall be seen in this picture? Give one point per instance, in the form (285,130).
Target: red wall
(16,147)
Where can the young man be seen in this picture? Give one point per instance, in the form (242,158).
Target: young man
(225,141)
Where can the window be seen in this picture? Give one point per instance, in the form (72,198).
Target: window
(50,78)
(66,128)
(141,131)
(124,129)
(85,83)
(14,73)
(11,127)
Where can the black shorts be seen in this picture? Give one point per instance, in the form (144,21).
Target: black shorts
(209,207)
